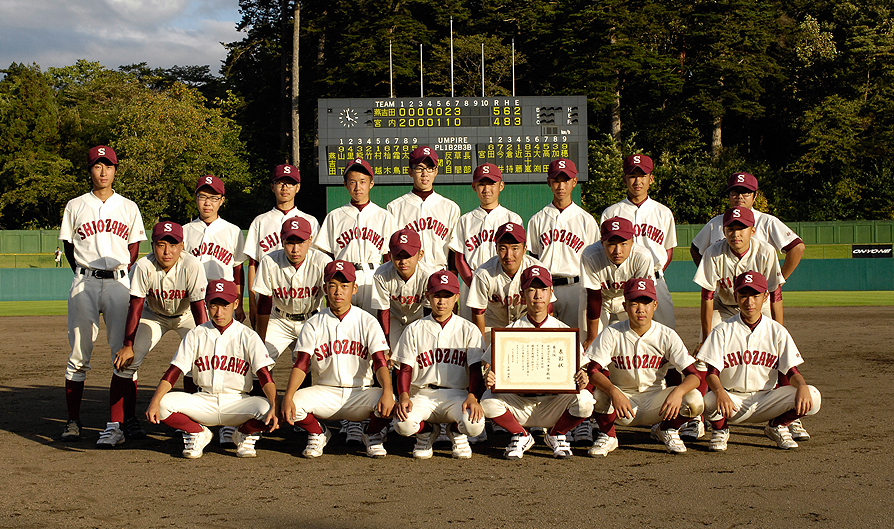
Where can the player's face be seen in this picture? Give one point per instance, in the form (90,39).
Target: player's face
(510,256)
(339,294)
(750,303)
(358,185)
(423,176)
(741,197)
(617,249)
(296,249)
(405,264)
(442,304)
(488,192)
(640,311)
(537,298)
(167,252)
(220,312)
(738,236)
(208,203)
(285,190)
(638,185)
(102,175)
(561,187)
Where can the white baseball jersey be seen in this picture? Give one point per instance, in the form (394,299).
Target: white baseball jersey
(222,362)
(597,272)
(263,234)
(750,361)
(169,293)
(219,246)
(558,237)
(767,229)
(720,266)
(294,290)
(405,299)
(101,231)
(434,219)
(653,226)
(439,354)
(638,363)
(341,349)
(525,323)
(497,293)
(474,234)
(356,235)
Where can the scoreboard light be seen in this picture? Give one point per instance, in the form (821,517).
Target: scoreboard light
(520,135)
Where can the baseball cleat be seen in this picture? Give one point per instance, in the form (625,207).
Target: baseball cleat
(245,443)
(719,439)
(670,438)
(460,441)
(353,431)
(693,430)
(72,431)
(603,445)
(132,429)
(479,438)
(195,443)
(798,432)
(424,442)
(560,445)
(225,435)
(443,438)
(582,433)
(375,443)
(316,442)
(110,437)
(781,436)
(518,445)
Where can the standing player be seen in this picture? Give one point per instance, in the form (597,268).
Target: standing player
(433,380)
(221,354)
(427,213)
(263,234)
(653,227)
(167,293)
(343,348)
(57,258)
(473,240)
(746,355)
(101,233)
(628,364)
(356,232)
(557,235)
(560,413)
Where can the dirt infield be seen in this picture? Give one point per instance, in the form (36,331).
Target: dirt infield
(841,477)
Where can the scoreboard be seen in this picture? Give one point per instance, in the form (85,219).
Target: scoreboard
(521,135)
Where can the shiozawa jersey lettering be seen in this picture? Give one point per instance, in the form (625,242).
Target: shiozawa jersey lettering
(434,219)
(440,355)
(219,246)
(474,235)
(169,293)
(101,231)
(356,235)
(557,237)
(263,234)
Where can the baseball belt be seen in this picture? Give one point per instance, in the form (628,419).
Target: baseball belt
(559,281)
(101,274)
(657,275)
(364,266)
(433,386)
(295,317)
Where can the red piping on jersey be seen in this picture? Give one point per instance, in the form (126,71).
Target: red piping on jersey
(635,204)
(284,211)
(225,327)
(445,322)
(265,305)
(360,206)
(537,325)
(741,255)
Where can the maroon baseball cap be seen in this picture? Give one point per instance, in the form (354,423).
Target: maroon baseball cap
(167,229)
(286,171)
(101,152)
(222,289)
(338,266)
(443,280)
(209,180)
(514,231)
(562,166)
(746,180)
(405,240)
(424,153)
(488,171)
(640,287)
(636,163)
(617,227)
(536,273)
(296,227)
(738,214)
(750,279)
(361,165)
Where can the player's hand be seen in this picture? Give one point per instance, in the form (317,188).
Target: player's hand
(473,407)
(588,342)
(124,357)
(803,400)
(581,377)
(153,414)
(385,405)
(725,404)
(288,409)
(404,407)
(271,420)
(490,379)
(671,407)
(239,314)
(622,405)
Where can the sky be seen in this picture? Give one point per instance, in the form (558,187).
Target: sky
(162,33)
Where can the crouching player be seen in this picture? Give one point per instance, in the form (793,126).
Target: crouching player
(433,381)
(221,355)
(560,413)
(745,356)
(636,354)
(342,347)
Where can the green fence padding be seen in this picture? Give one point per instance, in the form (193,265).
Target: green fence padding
(35,284)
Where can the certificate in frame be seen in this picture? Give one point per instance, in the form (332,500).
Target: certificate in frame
(535,360)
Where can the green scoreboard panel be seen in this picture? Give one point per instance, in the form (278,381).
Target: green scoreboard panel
(521,135)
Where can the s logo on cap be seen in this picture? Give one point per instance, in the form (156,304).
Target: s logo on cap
(101,151)
(509,227)
(616,226)
(287,170)
(167,226)
(218,287)
(636,159)
(208,180)
(339,266)
(535,272)
(358,160)
(641,285)
(561,164)
(426,150)
(444,279)
(295,225)
(485,169)
(740,178)
(748,278)
(403,239)
(736,214)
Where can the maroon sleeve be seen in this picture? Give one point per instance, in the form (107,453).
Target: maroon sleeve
(707,295)
(695,254)
(404,377)
(384,317)
(386,258)
(776,296)
(478,312)
(792,372)
(594,303)
(594,367)
(172,374)
(134,249)
(264,376)
(265,305)
(199,313)
(134,310)
(712,371)
(670,257)
(70,254)
(465,271)
(691,370)
(792,244)
(379,360)
(302,362)
(476,380)
(252,262)
(237,275)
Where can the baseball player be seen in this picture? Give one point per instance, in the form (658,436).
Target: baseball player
(263,234)
(495,294)
(221,354)
(557,236)
(653,227)
(472,242)
(357,232)
(57,258)
(101,233)
(427,213)
(433,379)
(560,413)
(745,356)
(628,363)
(399,286)
(167,293)
(342,347)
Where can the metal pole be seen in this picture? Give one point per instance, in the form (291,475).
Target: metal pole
(421,93)
(451,57)
(390,70)
(482,69)
(513,66)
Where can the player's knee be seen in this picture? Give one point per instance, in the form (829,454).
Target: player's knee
(817,400)
(582,405)
(406,428)
(473,429)
(493,407)
(602,403)
(693,404)
(710,403)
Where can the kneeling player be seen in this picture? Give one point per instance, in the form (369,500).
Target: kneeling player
(512,411)
(637,353)
(221,355)
(342,347)
(745,356)
(433,355)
